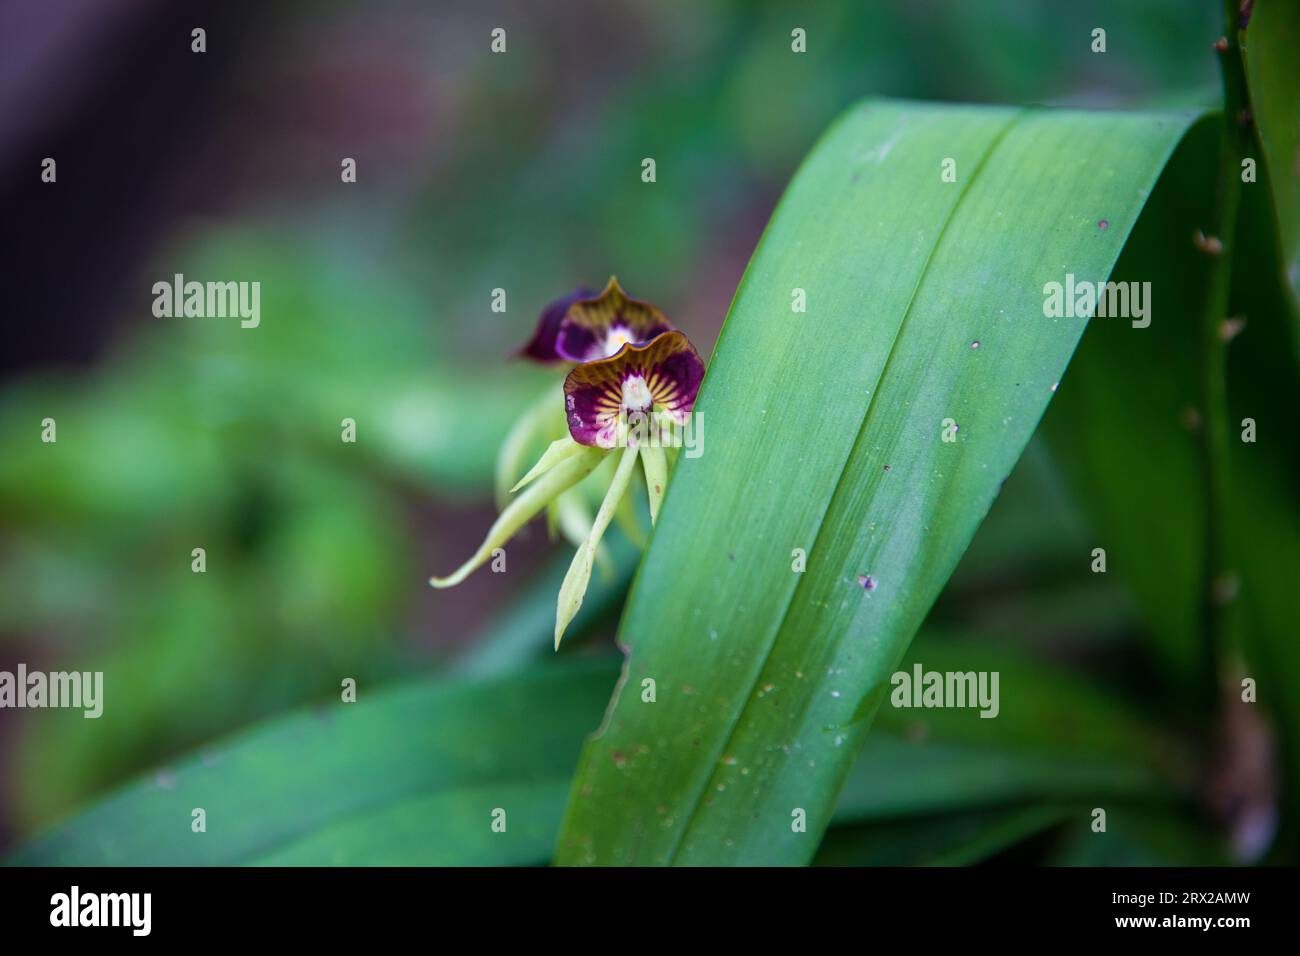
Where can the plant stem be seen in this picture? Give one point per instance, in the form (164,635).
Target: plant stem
(1219,244)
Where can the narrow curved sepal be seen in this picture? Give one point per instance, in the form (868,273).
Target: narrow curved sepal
(539,423)
(578,577)
(574,520)
(629,522)
(522,509)
(655,463)
(560,450)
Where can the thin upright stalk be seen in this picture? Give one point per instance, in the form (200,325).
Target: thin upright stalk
(1218,243)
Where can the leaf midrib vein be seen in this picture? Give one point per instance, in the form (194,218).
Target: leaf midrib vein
(866,417)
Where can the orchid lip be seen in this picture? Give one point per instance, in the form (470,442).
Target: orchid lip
(664,372)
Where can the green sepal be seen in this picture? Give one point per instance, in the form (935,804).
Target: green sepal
(575,519)
(579,575)
(543,421)
(560,450)
(522,509)
(655,463)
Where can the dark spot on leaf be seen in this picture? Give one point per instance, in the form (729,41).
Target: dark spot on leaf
(867,581)
(1103,224)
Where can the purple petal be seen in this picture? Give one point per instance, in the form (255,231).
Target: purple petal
(541,347)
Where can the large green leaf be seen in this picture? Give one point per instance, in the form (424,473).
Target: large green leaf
(1273,77)
(1140,468)
(1135,461)
(410,777)
(925,303)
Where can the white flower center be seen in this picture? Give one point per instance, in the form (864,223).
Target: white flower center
(618,337)
(636,395)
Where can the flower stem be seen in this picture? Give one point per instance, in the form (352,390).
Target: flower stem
(1219,244)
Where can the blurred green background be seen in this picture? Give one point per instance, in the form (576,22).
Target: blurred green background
(475,171)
